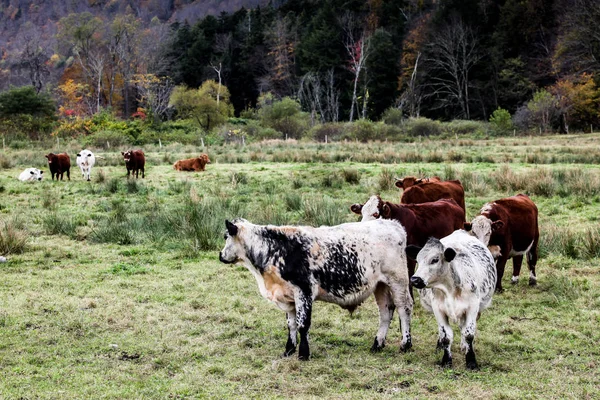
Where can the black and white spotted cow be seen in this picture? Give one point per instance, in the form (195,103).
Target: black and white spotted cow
(456,279)
(344,265)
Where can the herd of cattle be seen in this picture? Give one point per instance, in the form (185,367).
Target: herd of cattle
(461,264)
(135,160)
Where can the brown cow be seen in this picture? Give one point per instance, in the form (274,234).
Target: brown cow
(192,164)
(434,219)
(59,164)
(134,162)
(509,227)
(432,191)
(413,180)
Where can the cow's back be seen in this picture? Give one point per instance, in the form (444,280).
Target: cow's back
(433,191)
(433,219)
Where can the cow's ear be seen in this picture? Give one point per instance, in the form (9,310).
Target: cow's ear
(449,254)
(46,156)
(412,251)
(467,226)
(399,183)
(386,210)
(41,172)
(419,181)
(497,225)
(31,172)
(356,208)
(231,228)
(122,153)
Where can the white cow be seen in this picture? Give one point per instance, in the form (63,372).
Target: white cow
(31,174)
(456,279)
(85,162)
(344,265)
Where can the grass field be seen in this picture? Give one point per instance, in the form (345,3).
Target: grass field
(113,288)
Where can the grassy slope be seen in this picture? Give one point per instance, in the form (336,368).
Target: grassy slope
(147,320)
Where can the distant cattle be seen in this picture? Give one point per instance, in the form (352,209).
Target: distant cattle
(31,174)
(192,164)
(344,265)
(134,162)
(59,164)
(421,221)
(509,227)
(409,181)
(85,162)
(432,191)
(456,279)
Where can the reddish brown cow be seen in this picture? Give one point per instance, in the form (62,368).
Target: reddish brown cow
(509,227)
(59,164)
(434,219)
(410,181)
(192,164)
(432,191)
(134,161)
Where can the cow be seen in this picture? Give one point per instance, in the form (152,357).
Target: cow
(456,279)
(344,265)
(509,227)
(31,174)
(85,162)
(134,162)
(432,191)
(409,181)
(59,164)
(421,221)
(192,164)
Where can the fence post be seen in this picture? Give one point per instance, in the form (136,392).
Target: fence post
(202,141)
(107,144)
(3,144)
(57,143)
(325,139)
(159,144)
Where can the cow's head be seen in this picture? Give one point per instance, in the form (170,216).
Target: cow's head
(374,208)
(36,174)
(52,158)
(204,158)
(434,263)
(482,228)
(408,182)
(126,155)
(234,250)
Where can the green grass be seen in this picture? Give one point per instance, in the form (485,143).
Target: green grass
(117,291)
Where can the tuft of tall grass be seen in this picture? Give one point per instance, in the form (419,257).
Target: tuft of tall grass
(323,211)
(5,162)
(238,178)
(112,186)
(386,179)
(297,181)
(351,176)
(101,176)
(591,243)
(331,181)
(13,238)
(293,201)
(58,224)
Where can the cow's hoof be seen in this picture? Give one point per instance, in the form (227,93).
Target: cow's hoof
(406,346)
(514,280)
(288,352)
(376,348)
(472,365)
(499,290)
(446,362)
(303,357)
(532,282)
(89,180)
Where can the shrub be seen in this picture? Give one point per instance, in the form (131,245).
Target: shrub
(106,139)
(362,130)
(293,201)
(386,179)
(284,116)
(331,131)
(501,121)
(393,116)
(351,176)
(463,127)
(323,211)
(56,224)
(422,127)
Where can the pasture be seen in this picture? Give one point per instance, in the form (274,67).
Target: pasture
(113,288)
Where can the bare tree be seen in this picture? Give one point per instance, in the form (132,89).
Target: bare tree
(154,94)
(281,37)
(319,94)
(33,59)
(453,52)
(222,52)
(356,43)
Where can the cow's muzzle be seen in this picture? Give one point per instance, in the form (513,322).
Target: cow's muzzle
(417,282)
(224,261)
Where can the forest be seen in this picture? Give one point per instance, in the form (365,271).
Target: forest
(294,69)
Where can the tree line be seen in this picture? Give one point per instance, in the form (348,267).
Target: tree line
(533,60)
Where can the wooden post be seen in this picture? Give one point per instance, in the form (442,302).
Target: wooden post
(107,144)
(202,141)
(3,144)
(325,139)
(159,144)
(57,143)
(243,141)
(514,132)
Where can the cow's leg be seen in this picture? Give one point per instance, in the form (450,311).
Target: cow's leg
(303,318)
(468,329)
(500,265)
(128,172)
(69,174)
(532,257)
(143,174)
(404,303)
(445,336)
(290,346)
(411,265)
(517,261)
(385,302)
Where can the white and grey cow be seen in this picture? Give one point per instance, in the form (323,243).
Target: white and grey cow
(456,279)
(344,265)
(31,174)
(85,162)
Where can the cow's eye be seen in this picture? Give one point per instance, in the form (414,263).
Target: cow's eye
(225,236)
(376,215)
(435,260)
